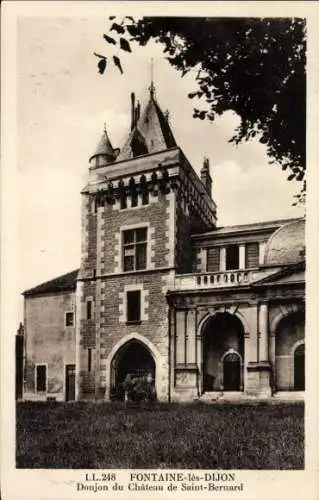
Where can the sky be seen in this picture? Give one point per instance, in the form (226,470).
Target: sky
(62,105)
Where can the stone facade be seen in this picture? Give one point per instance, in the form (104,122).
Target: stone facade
(162,290)
(49,343)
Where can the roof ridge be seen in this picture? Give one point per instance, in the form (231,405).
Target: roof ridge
(63,282)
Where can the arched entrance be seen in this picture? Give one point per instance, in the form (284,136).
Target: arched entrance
(231,372)
(223,353)
(290,352)
(134,359)
(299,368)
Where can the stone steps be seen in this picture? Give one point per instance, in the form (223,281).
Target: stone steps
(241,397)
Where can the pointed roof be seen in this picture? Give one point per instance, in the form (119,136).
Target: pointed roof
(104,146)
(153,126)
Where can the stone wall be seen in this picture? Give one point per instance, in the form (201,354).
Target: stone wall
(48,341)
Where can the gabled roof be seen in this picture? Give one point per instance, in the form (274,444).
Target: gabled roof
(153,127)
(66,282)
(294,273)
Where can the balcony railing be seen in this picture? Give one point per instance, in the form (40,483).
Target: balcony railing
(216,280)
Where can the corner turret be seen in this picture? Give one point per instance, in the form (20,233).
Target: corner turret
(104,153)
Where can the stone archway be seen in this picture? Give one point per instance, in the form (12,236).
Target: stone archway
(161,368)
(232,368)
(223,353)
(290,335)
(133,359)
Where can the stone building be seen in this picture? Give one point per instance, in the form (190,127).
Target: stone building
(209,311)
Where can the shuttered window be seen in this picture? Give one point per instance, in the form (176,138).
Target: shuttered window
(252,255)
(213,259)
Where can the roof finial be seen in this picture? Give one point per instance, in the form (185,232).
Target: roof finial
(105,127)
(152,86)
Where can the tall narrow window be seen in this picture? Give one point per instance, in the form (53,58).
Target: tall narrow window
(69,318)
(134,249)
(89,309)
(232,257)
(41,378)
(252,255)
(123,202)
(213,259)
(134,199)
(145,197)
(89,359)
(133,301)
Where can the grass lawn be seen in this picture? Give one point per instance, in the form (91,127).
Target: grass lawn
(198,436)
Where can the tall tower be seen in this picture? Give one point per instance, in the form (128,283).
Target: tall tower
(139,208)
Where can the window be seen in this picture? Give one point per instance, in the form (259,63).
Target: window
(138,145)
(145,198)
(89,359)
(134,199)
(232,257)
(89,309)
(69,318)
(134,249)
(41,378)
(133,302)
(123,203)
(213,259)
(252,255)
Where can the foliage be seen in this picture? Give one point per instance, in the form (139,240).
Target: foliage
(134,388)
(254,67)
(199,436)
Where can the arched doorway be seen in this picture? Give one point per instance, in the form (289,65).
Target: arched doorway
(290,352)
(133,359)
(299,368)
(231,372)
(223,353)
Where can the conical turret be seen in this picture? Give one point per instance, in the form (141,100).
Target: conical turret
(104,153)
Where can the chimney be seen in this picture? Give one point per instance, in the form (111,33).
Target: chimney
(132,110)
(205,176)
(138,110)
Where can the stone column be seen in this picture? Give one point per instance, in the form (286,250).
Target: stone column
(242,255)
(264,366)
(199,353)
(222,259)
(247,342)
(263,332)
(272,359)
(203,259)
(262,247)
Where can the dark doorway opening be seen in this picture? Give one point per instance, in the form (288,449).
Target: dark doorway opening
(70,382)
(299,368)
(133,359)
(232,367)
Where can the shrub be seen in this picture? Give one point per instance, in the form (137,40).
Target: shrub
(139,388)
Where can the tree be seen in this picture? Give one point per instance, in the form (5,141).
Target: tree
(254,67)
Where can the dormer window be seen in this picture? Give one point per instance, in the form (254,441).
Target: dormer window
(138,145)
